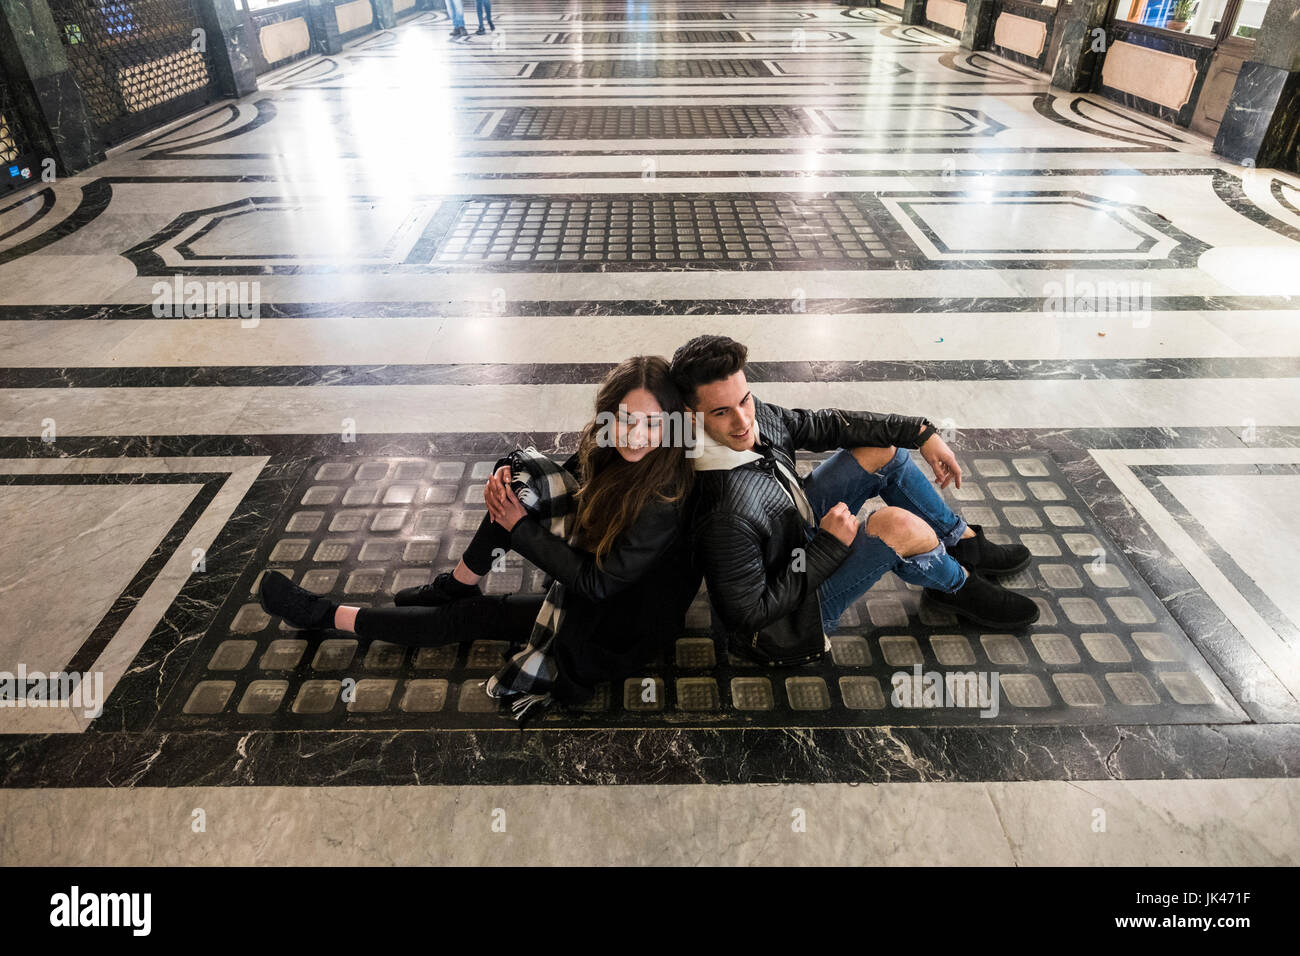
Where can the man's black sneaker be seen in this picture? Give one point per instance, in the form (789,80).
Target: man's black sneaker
(298,606)
(442,590)
(981,554)
(986,603)
(480,32)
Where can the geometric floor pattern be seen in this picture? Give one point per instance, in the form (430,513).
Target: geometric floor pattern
(359,529)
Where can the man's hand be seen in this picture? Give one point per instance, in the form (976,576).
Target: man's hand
(941,459)
(502,503)
(842,523)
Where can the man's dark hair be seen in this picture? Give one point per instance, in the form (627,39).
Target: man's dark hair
(705,359)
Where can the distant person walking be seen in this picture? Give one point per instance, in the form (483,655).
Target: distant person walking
(456,10)
(484,10)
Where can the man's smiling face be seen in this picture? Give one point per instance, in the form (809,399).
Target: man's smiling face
(725,409)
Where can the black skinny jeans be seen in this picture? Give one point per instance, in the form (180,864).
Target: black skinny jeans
(503,616)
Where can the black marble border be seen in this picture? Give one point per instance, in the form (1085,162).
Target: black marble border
(590,373)
(1151,475)
(95,197)
(1277,187)
(210,483)
(108,756)
(620,308)
(46,197)
(1076,107)
(265,113)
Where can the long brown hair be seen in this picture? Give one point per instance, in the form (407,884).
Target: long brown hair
(615,490)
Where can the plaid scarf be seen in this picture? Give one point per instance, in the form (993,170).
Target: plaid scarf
(547,491)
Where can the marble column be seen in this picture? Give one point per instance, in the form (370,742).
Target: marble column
(1261,126)
(45,89)
(978,28)
(913,11)
(324,26)
(385,18)
(1083,46)
(228,45)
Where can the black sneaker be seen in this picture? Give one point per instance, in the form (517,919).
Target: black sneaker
(986,603)
(298,606)
(479,32)
(981,554)
(442,590)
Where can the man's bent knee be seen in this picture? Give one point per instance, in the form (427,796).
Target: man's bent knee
(873,459)
(903,531)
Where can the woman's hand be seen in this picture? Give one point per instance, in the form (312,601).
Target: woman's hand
(502,503)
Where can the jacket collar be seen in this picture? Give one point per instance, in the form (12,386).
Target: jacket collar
(715,456)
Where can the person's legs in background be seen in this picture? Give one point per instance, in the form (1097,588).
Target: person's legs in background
(484,10)
(456,10)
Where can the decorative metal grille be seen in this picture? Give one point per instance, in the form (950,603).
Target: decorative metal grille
(14,145)
(623,16)
(652,69)
(131,57)
(650,36)
(13,142)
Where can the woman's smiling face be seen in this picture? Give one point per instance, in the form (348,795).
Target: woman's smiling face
(640,425)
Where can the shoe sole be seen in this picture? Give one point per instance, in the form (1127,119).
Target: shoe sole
(983,622)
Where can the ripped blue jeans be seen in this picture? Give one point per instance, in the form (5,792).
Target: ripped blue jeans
(899,483)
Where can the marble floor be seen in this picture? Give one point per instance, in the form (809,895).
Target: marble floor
(416,253)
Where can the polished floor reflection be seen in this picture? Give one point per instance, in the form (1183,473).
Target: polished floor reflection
(412,254)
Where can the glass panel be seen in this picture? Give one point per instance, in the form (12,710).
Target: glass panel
(1196,17)
(1249,18)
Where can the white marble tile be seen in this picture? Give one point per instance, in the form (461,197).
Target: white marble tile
(1256,519)
(1191,823)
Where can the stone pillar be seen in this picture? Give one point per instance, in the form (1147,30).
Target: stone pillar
(978,29)
(45,88)
(385,18)
(324,26)
(228,45)
(1083,44)
(1261,126)
(913,11)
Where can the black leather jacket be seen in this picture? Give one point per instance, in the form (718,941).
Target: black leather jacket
(745,529)
(620,615)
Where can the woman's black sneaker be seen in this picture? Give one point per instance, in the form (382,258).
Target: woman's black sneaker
(298,606)
(442,590)
(986,603)
(981,554)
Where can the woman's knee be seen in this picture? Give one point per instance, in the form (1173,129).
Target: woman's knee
(903,531)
